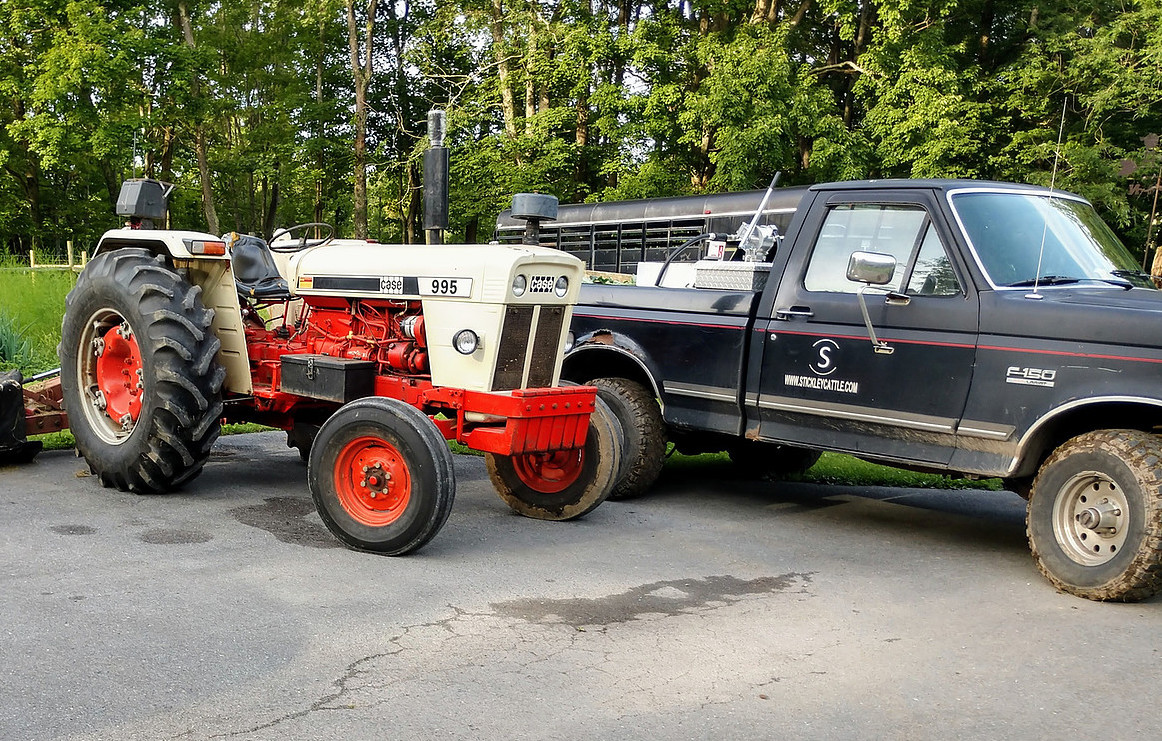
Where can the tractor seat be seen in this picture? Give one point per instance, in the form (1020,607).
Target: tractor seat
(255,272)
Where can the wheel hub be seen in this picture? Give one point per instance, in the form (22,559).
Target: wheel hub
(372,481)
(1090,518)
(550,473)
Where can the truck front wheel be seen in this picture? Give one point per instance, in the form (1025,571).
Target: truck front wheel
(139,373)
(1095,516)
(643,430)
(381,476)
(564,484)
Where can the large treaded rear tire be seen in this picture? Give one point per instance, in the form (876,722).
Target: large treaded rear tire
(643,430)
(1095,516)
(153,424)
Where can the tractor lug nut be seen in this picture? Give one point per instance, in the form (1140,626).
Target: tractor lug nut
(98,346)
(126,422)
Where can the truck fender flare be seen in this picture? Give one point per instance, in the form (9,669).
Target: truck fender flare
(589,346)
(1041,429)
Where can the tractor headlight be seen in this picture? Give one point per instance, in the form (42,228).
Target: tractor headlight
(562,287)
(519,285)
(466,341)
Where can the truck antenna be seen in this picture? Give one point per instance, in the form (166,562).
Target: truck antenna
(1052,183)
(743,242)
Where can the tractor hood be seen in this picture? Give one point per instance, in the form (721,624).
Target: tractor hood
(478,273)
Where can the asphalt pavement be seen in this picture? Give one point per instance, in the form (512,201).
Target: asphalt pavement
(712,608)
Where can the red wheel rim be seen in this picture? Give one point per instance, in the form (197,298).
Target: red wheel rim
(549,473)
(119,375)
(372,481)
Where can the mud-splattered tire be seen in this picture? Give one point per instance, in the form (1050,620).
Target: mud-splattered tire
(643,434)
(759,460)
(381,476)
(565,484)
(1095,516)
(140,379)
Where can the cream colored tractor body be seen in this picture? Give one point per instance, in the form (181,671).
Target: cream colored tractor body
(369,355)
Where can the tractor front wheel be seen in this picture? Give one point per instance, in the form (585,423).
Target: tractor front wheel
(564,484)
(381,476)
(139,373)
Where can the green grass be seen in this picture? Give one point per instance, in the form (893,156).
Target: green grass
(32,302)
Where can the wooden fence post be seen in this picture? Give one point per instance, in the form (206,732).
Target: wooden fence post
(69,252)
(32,258)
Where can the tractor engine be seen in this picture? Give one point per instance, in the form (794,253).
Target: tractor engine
(390,334)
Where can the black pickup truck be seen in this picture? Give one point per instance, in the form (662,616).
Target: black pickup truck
(984,329)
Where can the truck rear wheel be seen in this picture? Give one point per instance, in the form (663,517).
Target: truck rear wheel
(381,476)
(1095,516)
(564,484)
(758,460)
(643,434)
(139,375)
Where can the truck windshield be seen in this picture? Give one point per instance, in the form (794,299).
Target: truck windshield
(1006,231)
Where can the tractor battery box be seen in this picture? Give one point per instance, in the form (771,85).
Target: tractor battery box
(327,378)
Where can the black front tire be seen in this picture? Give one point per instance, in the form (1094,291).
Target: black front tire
(565,484)
(381,476)
(139,373)
(643,434)
(1095,516)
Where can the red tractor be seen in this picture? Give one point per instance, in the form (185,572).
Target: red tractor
(370,356)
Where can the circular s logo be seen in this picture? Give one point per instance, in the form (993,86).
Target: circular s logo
(826,357)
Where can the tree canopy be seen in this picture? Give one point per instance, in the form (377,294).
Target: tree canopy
(268,113)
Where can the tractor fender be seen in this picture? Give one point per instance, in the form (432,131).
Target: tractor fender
(171,243)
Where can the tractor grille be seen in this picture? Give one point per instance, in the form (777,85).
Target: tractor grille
(539,326)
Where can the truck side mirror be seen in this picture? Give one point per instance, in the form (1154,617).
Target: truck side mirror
(873,268)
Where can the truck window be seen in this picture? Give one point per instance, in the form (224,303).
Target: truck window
(870,227)
(933,274)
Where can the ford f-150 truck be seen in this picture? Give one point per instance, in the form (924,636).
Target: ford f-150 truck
(984,329)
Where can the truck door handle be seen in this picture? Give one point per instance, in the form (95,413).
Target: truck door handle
(795,312)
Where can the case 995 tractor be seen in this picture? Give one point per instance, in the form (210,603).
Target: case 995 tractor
(370,356)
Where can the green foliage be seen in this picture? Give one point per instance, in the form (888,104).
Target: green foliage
(14,345)
(34,301)
(586,100)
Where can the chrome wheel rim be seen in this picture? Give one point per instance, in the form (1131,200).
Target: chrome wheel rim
(1091,518)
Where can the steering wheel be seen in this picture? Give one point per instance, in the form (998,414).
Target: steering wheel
(303,242)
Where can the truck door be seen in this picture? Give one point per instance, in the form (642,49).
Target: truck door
(822,383)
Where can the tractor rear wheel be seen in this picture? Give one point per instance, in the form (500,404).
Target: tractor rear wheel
(564,484)
(381,476)
(139,373)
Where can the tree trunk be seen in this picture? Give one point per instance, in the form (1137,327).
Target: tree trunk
(361,72)
(200,146)
(507,100)
(414,203)
(271,211)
